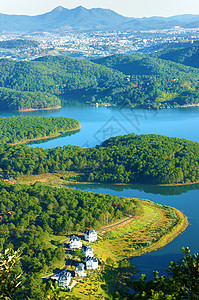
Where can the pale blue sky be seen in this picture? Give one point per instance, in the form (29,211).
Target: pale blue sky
(131,8)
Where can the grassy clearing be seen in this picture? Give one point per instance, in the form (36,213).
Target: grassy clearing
(152,229)
(55,179)
(51,241)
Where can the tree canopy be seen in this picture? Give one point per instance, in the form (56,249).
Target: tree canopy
(132,80)
(150,158)
(182,281)
(21,129)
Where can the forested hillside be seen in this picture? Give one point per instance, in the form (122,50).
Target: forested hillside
(21,129)
(18,44)
(188,56)
(35,84)
(153,159)
(139,64)
(19,100)
(55,75)
(31,218)
(152,82)
(131,80)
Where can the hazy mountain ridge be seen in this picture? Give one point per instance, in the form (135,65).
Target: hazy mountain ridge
(60,18)
(81,18)
(153,23)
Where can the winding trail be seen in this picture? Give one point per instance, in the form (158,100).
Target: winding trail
(119,223)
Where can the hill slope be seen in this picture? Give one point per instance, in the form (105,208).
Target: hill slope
(153,82)
(132,80)
(188,56)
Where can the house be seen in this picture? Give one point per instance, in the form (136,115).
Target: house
(79,270)
(87,250)
(90,235)
(91,263)
(75,242)
(64,278)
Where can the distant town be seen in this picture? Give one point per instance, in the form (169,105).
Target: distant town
(88,45)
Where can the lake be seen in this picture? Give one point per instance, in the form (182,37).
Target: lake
(100,123)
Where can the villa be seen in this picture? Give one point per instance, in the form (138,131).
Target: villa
(79,270)
(87,251)
(64,278)
(91,263)
(75,242)
(90,235)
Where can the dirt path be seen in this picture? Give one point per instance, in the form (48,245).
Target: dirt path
(119,224)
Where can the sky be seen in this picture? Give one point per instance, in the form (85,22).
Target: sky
(130,8)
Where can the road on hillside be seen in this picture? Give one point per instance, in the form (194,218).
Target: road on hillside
(119,223)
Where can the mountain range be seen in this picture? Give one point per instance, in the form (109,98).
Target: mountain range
(81,18)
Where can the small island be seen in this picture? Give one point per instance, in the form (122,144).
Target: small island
(19,130)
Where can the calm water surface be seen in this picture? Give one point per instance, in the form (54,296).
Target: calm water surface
(101,123)
(184,198)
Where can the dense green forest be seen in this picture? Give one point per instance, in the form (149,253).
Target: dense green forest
(131,80)
(56,75)
(152,82)
(153,159)
(21,129)
(18,44)
(138,64)
(17,100)
(188,56)
(31,215)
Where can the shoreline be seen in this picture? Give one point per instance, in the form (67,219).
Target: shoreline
(46,137)
(126,184)
(120,246)
(33,109)
(169,237)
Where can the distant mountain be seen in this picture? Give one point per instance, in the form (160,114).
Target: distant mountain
(153,23)
(78,18)
(81,18)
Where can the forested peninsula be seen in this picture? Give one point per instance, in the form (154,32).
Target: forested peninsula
(36,218)
(22,129)
(146,159)
(148,81)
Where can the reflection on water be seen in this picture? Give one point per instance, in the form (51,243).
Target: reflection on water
(146,264)
(152,189)
(184,198)
(42,141)
(100,123)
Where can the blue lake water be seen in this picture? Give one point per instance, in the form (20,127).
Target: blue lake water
(184,198)
(98,124)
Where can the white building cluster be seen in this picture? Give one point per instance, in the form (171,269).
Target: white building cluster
(64,277)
